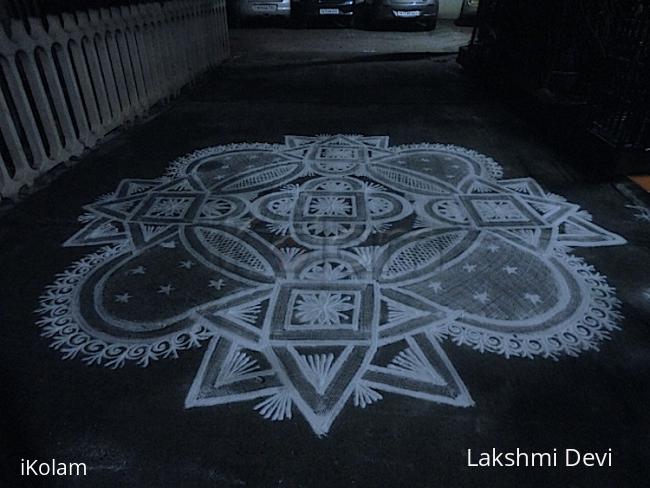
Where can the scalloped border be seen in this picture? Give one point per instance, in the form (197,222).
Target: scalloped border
(178,167)
(494,169)
(602,316)
(59,324)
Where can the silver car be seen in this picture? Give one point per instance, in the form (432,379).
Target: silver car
(424,12)
(264,8)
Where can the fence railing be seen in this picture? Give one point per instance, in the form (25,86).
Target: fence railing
(65,86)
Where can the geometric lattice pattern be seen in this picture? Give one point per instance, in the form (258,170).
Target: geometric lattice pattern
(328,271)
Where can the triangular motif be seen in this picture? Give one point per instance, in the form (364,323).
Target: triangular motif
(319,367)
(320,405)
(128,188)
(422,370)
(542,208)
(376,141)
(524,186)
(241,318)
(245,314)
(230,374)
(100,231)
(410,362)
(319,364)
(576,231)
(119,209)
(482,188)
(106,229)
(150,231)
(394,313)
(237,366)
(181,186)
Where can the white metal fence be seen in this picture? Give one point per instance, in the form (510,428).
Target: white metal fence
(62,88)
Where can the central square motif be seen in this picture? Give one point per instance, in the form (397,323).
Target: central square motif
(330,206)
(331,309)
(322,311)
(314,206)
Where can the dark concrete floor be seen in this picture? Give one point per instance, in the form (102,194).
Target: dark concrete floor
(254,43)
(129,425)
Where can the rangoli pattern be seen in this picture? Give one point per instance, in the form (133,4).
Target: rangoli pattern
(329,270)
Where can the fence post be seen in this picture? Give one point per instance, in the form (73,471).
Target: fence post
(65,86)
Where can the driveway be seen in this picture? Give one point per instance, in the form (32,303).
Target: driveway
(413,273)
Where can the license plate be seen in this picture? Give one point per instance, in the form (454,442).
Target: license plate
(265,8)
(406,13)
(329,11)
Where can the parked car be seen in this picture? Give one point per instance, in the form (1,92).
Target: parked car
(333,9)
(468,13)
(423,12)
(263,8)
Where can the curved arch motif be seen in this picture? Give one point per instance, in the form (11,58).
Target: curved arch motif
(329,270)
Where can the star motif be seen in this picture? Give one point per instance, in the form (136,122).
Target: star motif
(383,300)
(533,298)
(186,264)
(217,284)
(123,298)
(482,297)
(166,289)
(436,286)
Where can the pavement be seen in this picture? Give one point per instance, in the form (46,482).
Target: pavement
(130,425)
(260,43)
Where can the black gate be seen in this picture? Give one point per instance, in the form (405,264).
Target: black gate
(592,54)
